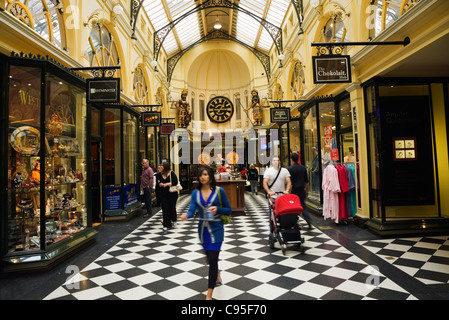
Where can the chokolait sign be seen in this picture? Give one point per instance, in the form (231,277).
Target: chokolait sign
(331,69)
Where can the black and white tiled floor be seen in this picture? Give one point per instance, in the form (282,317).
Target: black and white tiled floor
(424,258)
(150,264)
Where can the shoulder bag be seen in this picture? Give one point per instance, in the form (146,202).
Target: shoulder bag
(224,217)
(176,188)
(275,179)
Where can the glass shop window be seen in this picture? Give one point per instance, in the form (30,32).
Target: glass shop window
(112,148)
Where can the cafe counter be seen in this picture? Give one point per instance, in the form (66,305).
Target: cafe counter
(235,191)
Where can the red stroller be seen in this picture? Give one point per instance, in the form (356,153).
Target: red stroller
(284,227)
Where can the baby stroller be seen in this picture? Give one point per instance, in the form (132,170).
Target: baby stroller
(284,214)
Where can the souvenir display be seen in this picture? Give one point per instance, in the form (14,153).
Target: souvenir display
(58,171)
(26,140)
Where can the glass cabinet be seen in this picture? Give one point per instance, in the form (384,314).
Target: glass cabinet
(47,207)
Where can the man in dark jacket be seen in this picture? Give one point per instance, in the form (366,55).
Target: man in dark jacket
(300,185)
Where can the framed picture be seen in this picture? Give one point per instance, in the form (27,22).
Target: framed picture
(69,147)
(405,149)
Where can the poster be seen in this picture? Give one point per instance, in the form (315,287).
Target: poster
(113,198)
(131,194)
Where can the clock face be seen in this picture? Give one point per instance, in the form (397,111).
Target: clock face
(220,110)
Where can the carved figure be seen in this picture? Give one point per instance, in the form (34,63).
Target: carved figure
(184,110)
(257,108)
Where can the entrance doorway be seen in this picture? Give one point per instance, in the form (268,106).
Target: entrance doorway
(97,184)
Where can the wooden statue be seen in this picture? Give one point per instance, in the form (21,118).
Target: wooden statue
(257,108)
(184,110)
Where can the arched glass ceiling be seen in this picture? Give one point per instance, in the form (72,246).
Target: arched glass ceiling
(193,28)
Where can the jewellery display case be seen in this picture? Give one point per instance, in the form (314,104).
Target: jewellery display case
(47,213)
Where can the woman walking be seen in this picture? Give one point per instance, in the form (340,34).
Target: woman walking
(164,180)
(211,202)
(253,178)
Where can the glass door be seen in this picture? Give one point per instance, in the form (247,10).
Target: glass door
(97,183)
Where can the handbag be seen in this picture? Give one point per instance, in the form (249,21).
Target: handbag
(176,188)
(224,217)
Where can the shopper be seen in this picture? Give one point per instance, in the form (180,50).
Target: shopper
(276,180)
(300,184)
(211,202)
(156,185)
(253,178)
(165,179)
(146,184)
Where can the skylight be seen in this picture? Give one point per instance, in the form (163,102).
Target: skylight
(190,29)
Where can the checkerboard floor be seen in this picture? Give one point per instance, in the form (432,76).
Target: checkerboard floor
(424,258)
(150,264)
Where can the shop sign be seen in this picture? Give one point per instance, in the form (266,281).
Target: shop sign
(113,198)
(280,115)
(151,119)
(167,128)
(131,196)
(331,69)
(103,90)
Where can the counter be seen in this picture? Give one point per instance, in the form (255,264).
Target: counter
(235,191)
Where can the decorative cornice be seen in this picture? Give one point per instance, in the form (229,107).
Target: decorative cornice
(394,29)
(9,24)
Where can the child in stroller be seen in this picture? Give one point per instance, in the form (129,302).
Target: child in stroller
(284,214)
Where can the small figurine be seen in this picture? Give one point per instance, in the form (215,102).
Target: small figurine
(18,180)
(36,173)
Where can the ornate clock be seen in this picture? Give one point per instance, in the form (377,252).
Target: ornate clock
(220,110)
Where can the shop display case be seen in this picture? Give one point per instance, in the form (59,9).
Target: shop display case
(47,212)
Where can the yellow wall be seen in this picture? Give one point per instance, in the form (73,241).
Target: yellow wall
(442,145)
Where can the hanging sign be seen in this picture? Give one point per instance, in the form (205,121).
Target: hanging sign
(151,119)
(280,115)
(167,129)
(334,151)
(331,69)
(103,90)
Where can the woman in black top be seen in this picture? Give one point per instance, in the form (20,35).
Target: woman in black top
(253,178)
(164,180)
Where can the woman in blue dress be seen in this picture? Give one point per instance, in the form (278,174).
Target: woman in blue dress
(210,202)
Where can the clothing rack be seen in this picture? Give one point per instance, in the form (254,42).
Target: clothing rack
(339,191)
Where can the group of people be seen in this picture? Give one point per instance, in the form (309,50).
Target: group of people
(211,202)
(162,181)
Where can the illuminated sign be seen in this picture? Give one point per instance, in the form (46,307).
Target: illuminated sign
(151,119)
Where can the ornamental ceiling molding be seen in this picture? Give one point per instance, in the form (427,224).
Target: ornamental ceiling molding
(218,34)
